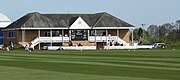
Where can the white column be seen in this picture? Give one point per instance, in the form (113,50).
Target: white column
(23,36)
(70,35)
(117,32)
(95,35)
(132,36)
(51,36)
(62,36)
(39,35)
(106,35)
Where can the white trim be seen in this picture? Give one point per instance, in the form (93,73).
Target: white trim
(10,29)
(67,28)
(113,27)
(39,35)
(42,28)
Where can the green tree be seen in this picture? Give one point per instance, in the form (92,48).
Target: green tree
(152,33)
(140,35)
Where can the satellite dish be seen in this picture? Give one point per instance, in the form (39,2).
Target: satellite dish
(4,21)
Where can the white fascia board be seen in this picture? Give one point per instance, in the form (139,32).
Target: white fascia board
(41,28)
(79,24)
(12,29)
(31,29)
(113,27)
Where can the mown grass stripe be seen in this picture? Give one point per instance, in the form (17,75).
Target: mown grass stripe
(93,69)
(122,64)
(141,64)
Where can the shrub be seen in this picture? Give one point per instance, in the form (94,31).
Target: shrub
(18,47)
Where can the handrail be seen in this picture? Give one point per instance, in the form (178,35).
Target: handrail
(47,40)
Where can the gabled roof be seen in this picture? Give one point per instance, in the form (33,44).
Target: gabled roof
(108,20)
(79,24)
(37,20)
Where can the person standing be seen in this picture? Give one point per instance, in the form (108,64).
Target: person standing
(108,45)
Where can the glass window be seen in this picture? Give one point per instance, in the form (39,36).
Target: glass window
(92,33)
(98,33)
(11,34)
(79,34)
(56,33)
(1,33)
(101,32)
(47,34)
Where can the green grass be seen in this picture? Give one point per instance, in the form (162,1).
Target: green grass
(90,65)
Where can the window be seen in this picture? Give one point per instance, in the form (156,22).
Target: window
(98,32)
(47,34)
(56,33)
(1,33)
(79,34)
(11,34)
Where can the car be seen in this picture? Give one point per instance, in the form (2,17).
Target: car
(159,45)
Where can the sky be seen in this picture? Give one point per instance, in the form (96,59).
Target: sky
(136,12)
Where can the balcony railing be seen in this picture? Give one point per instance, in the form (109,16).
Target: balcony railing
(106,38)
(52,39)
(98,39)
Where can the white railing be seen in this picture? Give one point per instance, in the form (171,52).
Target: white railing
(66,39)
(119,40)
(129,47)
(97,39)
(106,38)
(53,39)
(34,42)
(72,47)
(48,40)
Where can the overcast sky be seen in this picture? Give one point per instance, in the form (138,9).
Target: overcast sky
(136,12)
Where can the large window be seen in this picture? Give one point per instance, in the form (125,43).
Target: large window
(79,34)
(98,33)
(54,33)
(11,34)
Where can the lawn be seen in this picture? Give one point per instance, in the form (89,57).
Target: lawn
(90,65)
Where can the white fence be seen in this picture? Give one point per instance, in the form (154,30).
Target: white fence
(106,38)
(129,47)
(72,47)
(53,39)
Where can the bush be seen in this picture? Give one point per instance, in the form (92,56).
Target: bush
(173,45)
(18,47)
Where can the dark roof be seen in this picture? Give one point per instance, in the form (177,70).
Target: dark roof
(37,20)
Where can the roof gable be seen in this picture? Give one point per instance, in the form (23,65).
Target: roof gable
(108,20)
(79,24)
(39,21)
(20,22)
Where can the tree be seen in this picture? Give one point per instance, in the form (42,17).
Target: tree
(152,29)
(152,33)
(135,33)
(178,23)
(140,35)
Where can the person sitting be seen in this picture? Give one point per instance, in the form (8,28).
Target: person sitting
(60,35)
(79,44)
